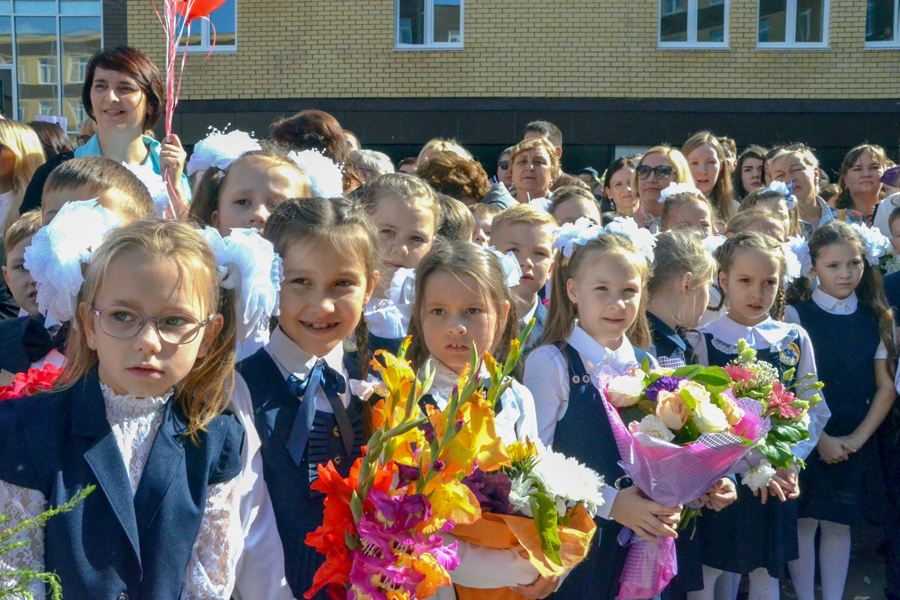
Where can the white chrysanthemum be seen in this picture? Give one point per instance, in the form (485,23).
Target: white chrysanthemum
(521,488)
(567,481)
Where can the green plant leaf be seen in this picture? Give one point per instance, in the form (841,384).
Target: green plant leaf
(545,517)
(687,371)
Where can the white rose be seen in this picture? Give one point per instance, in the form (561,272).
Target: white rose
(625,391)
(696,391)
(759,476)
(709,418)
(654,427)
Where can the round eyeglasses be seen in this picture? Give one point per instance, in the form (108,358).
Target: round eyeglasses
(662,171)
(125,322)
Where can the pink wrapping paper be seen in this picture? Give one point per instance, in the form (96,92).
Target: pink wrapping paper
(672,475)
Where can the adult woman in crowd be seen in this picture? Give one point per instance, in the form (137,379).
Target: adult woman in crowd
(800,168)
(123,93)
(709,169)
(503,173)
(371,164)
(318,130)
(535,165)
(53,138)
(748,173)
(21,154)
(450,174)
(659,167)
(860,184)
(617,186)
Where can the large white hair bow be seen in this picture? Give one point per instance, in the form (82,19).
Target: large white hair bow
(58,250)
(155,184)
(248,265)
(874,242)
(798,248)
(584,230)
(220,150)
(786,190)
(640,237)
(325,176)
(510,265)
(678,188)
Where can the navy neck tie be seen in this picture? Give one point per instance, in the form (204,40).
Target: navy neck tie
(333,384)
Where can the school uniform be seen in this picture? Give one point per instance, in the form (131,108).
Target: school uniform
(163,522)
(26,344)
(538,312)
(305,416)
(668,346)
(571,418)
(514,419)
(772,541)
(838,492)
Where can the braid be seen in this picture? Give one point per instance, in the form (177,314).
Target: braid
(362,346)
(777,311)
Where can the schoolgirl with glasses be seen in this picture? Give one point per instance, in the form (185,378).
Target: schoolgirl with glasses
(137,412)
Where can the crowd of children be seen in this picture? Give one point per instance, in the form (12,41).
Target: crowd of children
(210,363)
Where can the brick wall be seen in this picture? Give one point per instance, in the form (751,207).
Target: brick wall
(519,48)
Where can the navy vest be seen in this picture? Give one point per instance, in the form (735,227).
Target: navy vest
(298,509)
(667,343)
(112,544)
(537,332)
(584,433)
(849,377)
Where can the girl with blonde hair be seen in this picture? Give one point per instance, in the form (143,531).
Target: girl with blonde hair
(20,156)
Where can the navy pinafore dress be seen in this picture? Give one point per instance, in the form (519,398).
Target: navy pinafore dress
(748,534)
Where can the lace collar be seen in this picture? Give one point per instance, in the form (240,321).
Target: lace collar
(598,355)
(445,379)
(295,360)
(768,334)
(127,407)
(834,306)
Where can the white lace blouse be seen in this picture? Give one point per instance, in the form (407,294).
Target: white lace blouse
(210,573)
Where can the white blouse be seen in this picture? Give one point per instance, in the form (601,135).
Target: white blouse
(211,568)
(547,377)
(778,336)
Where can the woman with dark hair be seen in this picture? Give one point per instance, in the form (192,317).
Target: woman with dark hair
(317,130)
(123,93)
(748,174)
(617,186)
(53,138)
(860,184)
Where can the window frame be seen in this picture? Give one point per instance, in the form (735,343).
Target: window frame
(886,45)
(205,44)
(8,12)
(693,14)
(790,29)
(429,43)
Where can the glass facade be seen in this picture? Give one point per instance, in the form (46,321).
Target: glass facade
(45,46)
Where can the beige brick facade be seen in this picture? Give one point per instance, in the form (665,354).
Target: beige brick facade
(521,48)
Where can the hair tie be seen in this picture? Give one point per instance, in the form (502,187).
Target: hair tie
(786,190)
(678,188)
(875,243)
(510,265)
(220,149)
(248,264)
(325,177)
(57,252)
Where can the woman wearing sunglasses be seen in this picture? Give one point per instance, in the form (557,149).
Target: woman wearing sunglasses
(659,167)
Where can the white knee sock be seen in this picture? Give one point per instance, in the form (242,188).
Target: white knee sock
(727,586)
(763,586)
(834,559)
(803,570)
(710,576)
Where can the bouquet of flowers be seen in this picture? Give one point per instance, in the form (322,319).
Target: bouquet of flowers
(543,502)
(786,413)
(33,381)
(679,431)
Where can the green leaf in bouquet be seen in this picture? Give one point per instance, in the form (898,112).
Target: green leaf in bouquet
(714,378)
(687,371)
(783,454)
(645,365)
(647,407)
(688,399)
(351,541)
(789,434)
(546,522)
(633,413)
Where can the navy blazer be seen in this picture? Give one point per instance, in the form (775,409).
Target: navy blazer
(112,545)
(13,357)
(892,291)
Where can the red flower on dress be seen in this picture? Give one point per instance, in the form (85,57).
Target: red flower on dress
(31,382)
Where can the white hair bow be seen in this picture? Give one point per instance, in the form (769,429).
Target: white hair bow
(220,149)
(584,230)
(248,265)
(874,242)
(786,190)
(678,188)
(325,176)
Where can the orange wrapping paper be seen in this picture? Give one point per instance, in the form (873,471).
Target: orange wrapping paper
(508,531)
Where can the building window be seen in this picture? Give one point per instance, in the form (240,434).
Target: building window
(219,34)
(793,24)
(696,24)
(46,45)
(431,24)
(882,21)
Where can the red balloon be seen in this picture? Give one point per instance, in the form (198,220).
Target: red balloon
(198,8)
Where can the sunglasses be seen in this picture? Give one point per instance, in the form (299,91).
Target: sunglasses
(662,171)
(504,164)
